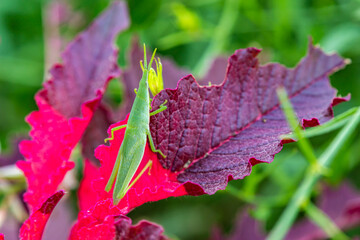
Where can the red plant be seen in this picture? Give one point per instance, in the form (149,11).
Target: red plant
(210,134)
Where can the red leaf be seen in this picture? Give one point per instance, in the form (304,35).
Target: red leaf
(105,222)
(97,221)
(211,135)
(67,103)
(159,184)
(86,188)
(33,227)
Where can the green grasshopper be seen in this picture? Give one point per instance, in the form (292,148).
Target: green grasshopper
(137,130)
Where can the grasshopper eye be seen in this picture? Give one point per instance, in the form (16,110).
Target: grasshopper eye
(155,78)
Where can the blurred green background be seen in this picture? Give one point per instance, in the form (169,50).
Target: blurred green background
(192,33)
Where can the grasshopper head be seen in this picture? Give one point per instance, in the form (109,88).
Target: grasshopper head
(155,78)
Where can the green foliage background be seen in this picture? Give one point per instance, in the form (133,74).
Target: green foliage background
(192,33)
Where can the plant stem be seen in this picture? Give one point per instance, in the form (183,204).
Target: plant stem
(290,115)
(302,194)
(11,172)
(17,208)
(333,124)
(220,35)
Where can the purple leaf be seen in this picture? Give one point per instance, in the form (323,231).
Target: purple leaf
(67,103)
(245,227)
(88,62)
(211,135)
(142,231)
(95,133)
(14,155)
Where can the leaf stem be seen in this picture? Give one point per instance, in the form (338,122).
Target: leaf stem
(17,208)
(279,200)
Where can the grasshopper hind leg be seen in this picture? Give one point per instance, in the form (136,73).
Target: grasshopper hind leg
(152,146)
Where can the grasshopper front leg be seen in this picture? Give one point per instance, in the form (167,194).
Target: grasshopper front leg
(161,108)
(112,132)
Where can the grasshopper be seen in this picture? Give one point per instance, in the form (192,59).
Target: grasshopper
(137,131)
